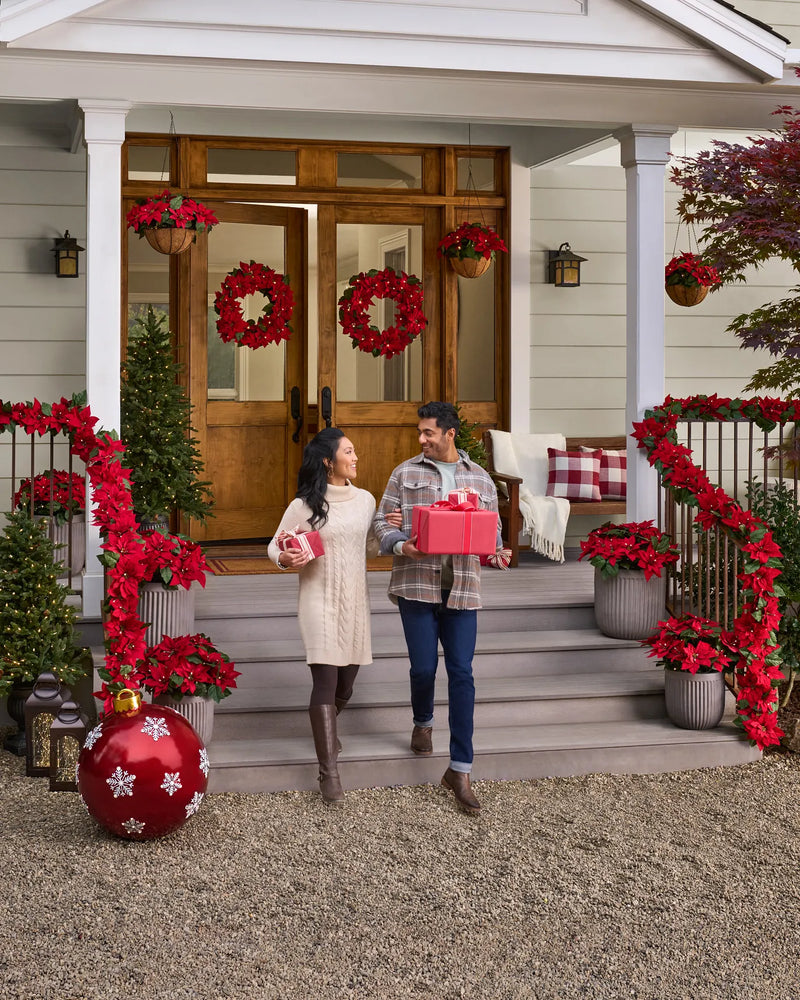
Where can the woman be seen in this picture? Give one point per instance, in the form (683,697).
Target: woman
(333,604)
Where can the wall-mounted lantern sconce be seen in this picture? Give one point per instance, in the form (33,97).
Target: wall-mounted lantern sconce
(564,267)
(66,250)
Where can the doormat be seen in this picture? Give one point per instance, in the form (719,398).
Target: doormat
(256,565)
(250,566)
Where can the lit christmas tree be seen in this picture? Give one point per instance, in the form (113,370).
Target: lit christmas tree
(37,626)
(156,428)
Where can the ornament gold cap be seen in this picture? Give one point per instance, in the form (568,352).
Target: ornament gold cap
(127,702)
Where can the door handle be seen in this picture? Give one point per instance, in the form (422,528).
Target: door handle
(294,403)
(327,406)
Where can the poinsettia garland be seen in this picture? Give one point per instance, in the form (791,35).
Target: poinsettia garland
(273,326)
(131,558)
(358,297)
(753,638)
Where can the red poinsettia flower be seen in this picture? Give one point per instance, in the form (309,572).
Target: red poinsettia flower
(170,211)
(689,269)
(471,240)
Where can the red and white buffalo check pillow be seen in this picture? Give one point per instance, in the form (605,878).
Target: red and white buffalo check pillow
(574,475)
(613,473)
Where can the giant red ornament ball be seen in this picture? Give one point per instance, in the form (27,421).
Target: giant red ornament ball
(143,770)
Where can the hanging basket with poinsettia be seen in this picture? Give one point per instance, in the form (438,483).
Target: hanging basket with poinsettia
(359,296)
(269,328)
(471,249)
(170,222)
(687,279)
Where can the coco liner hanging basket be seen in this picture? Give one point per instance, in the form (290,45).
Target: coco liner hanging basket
(470,267)
(687,295)
(169,241)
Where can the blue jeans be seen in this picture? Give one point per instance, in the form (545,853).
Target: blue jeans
(425,626)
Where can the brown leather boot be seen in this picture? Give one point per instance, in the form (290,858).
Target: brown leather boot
(459,785)
(323,726)
(340,704)
(422,740)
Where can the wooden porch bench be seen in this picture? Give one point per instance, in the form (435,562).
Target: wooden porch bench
(510,516)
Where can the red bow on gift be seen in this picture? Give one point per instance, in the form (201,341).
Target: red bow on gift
(449,505)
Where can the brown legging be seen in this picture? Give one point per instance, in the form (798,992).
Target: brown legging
(331,683)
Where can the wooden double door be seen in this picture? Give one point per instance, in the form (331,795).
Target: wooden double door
(255,409)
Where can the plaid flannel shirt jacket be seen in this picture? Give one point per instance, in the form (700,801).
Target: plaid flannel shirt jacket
(418,482)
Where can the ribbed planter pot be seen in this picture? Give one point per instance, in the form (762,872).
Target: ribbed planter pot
(170,240)
(167,612)
(59,533)
(627,606)
(694,701)
(470,267)
(198,712)
(686,295)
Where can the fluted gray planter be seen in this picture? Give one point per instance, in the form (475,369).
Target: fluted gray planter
(59,533)
(167,612)
(198,712)
(694,701)
(627,606)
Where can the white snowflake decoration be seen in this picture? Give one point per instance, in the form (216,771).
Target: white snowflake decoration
(93,736)
(133,825)
(194,805)
(204,761)
(155,728)
(121,782)
(171,782)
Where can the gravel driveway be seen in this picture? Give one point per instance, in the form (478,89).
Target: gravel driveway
(661,886)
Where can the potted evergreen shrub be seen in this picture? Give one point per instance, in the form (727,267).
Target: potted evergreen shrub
(37,625)
(629,589)
(165,464)
(694,655)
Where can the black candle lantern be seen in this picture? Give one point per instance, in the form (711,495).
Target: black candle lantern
(41,709)
(66,250)
(564,267)
(67,736)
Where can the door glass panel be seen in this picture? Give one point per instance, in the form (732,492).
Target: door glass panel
(476,337)
(148,280)
(251,166)
(360,377)
(482,173)
(149,163)
(244,373)
(380,170)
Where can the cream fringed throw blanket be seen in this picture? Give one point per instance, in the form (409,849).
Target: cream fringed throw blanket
(543,518)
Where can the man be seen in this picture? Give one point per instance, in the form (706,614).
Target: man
(438,596)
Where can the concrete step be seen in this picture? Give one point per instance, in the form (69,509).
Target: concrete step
(262,625)
(378,707)
(537,653)
(502,753)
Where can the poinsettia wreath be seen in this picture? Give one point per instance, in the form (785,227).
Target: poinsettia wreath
(273,326)
(358,297)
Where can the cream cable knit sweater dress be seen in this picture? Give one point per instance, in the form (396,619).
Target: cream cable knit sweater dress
(333,604)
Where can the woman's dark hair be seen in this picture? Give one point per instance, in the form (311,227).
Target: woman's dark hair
(312,479)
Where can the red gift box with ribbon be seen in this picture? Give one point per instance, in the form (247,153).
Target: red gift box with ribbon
(305,541)
(448,528)
(468,496)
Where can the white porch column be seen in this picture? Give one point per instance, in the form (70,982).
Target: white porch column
(104,133)
(519,378)
(644,152)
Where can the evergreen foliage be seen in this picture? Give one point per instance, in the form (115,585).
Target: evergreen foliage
(37,626)
(156,427)
(470,439)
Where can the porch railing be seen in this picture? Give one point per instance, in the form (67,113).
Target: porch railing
(29,456)
(732,454)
